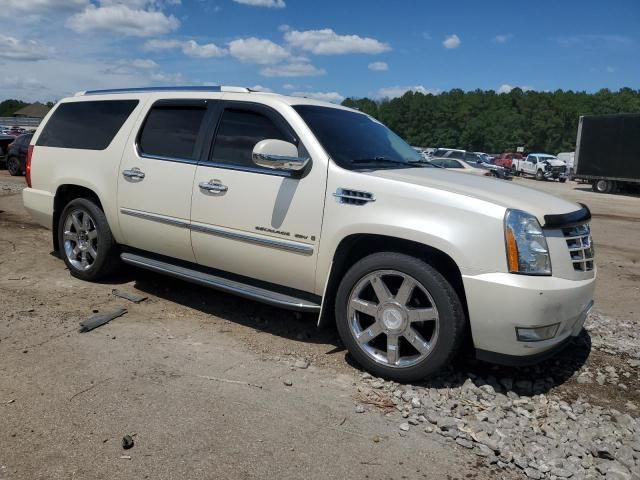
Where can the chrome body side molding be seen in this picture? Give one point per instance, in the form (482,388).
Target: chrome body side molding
(294,247)
(244,290)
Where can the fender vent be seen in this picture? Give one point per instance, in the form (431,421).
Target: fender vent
(353,197)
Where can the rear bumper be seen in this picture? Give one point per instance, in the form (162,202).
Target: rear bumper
(39,204)
(499,303)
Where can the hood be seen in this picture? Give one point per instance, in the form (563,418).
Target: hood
(498,192)
(554,162)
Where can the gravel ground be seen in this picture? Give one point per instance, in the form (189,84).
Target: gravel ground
(11,186)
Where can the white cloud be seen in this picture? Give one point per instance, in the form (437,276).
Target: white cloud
(13,7)
(191,48)
(263,3)
(611,69)
(289,86)
(125,67)
(260,88)
(506,88)
(504,38)
(256,50)
(163,77)
(328,42)
(333,97)
(12,48)
(378,66)
(398,91)
(451,41)
(299,69)
(123,20)
(21,83)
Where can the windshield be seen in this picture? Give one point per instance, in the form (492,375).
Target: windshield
(357,141)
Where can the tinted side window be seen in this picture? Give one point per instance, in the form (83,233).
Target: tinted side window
(171,131)
(238,133)
(453,164)
(86,125)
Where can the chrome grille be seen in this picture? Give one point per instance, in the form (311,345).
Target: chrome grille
(353,197)
(580,247)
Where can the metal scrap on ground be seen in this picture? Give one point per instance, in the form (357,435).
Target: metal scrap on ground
(100,319)
(133,297)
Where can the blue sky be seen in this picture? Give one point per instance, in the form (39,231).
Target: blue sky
(329,49)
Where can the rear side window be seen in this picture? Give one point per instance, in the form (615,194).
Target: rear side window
(86,125)
(172,131)
(239,132)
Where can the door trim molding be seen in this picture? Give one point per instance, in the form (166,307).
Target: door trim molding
(176,222)
(294,247)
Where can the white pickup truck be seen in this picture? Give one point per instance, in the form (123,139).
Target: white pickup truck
(541,166)
(313,207)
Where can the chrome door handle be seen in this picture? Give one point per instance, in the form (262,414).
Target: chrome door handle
(135,172)
(213,186)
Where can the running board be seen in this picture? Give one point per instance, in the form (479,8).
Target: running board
(223,284)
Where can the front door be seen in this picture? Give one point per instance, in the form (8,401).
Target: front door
(253,221)
(156,178)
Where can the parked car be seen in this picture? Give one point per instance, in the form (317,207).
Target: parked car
(568,158)
(479,160)
(449,153)
(608,152)
(478,168)
(314,207)
(17,154)
(5,141)
(505,160)
(542,166)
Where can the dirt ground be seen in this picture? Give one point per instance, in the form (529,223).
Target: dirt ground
(199,378)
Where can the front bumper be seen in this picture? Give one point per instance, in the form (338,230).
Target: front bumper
(500,302)
(555,175)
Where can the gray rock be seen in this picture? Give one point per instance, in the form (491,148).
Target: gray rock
(584,378)
(359,409)
(404,427)
(301,364)
(415,402)
(532,473)
(483,451)
(287,382)
(561,472)
(464,443)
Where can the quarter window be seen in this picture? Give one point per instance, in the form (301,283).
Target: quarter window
(238,133)
(86,125)
(172,131)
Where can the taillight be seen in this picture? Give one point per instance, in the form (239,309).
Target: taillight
(28,174)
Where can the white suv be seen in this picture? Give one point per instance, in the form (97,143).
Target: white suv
(313,207)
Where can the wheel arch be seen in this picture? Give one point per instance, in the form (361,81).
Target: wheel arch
(357,246)
(64,194)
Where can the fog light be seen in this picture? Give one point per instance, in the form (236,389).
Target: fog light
(537,334)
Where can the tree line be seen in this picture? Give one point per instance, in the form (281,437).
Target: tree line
(486,121)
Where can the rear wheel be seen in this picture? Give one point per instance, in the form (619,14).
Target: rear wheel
(13,166)
(562,180)
(399,317)
(603,186)
(88,247)
(514,171)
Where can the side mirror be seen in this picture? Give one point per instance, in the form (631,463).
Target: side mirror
(278,154)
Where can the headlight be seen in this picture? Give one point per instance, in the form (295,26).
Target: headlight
(527,251)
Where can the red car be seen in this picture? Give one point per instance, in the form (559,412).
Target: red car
(506,159)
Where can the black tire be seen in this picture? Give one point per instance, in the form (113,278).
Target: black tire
(13,166)
(539,175)
(452,323)
(562,180)
(602,186)
(108,255)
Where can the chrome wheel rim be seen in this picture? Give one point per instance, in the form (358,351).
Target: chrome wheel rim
(393,318)
(80,239)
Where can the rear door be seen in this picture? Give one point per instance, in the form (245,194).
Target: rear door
(259,223)
(156,177)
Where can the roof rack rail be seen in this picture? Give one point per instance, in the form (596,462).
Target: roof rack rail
(216,88)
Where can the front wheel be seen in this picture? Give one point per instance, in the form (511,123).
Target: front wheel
(399,317)
(88,247)
(539,175)
(563,180)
